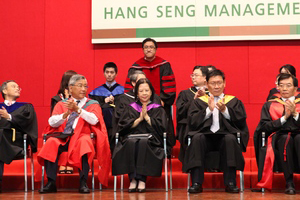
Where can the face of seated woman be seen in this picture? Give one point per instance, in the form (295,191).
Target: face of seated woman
(144,93)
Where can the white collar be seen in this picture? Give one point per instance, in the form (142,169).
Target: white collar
(9,102)
(292,99)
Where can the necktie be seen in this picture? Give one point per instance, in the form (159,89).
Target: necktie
(215,123)
(69,126)
(9,103)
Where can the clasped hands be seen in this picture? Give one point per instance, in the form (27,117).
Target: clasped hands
(109,99)
(71,105)
(4,113)
(220,105)
(144,114)
(290,109)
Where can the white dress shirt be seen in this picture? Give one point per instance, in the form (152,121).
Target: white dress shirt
(89,117)
(215,121)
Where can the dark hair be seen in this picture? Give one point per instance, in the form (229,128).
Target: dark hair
(204,69)
(284,76)
(4,86)
(110,65)
(64,83)
(215,72)
(149,40)
(141,81)
(289,68)
(211,66)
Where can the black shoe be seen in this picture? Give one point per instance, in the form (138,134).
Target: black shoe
(132,190)
(142,190)
(290,188)
(49,188)
(231,188)
(196,188)
(83,187)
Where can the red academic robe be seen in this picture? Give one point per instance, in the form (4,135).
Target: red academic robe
(80,142)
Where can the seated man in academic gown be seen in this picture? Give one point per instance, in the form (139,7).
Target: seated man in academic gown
(281,117)
(214,122)
(107,94)
(72,122)
(285,69)
(183,103)
(16,119)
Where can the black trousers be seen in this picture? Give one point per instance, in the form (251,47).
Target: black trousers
(292,148)
(134,175)
(226,145)
(1,170)
(51,167)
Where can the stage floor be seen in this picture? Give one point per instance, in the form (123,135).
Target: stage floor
(151,194)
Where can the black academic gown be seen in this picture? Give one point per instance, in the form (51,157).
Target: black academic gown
(122,102)
(183,103)
(270,125)
(99,94)
(150,153)
(199,126)
(24,121)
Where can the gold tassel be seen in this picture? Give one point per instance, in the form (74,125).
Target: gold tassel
(14,134)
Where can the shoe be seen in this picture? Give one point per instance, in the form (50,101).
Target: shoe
(142,190)
(0,187)
(231,188)
(132,190)
(83,187)
(48,188)
(196,188)
(290,188)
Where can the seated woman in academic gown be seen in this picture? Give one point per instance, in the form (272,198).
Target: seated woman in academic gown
(140,150)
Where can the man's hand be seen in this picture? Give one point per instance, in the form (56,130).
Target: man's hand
(4,113)
(211,103)
(199,93)
(221,105)
(66,114)
(71,105)
(292,107)
(109,99)
(287,111)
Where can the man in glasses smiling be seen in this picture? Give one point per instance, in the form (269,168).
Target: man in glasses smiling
(74,119)
(214,121)
(161,76)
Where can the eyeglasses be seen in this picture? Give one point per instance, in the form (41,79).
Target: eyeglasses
(285,85)
(218,83)
(149,47)
(16,87)
(194,75)
(82,86)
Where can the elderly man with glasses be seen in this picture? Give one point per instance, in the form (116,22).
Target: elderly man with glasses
(72,122)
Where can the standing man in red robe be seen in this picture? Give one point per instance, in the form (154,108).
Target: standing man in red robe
(161,75)
(75,118)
